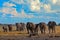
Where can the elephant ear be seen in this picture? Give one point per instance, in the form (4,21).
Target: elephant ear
(54,23)
(49,23)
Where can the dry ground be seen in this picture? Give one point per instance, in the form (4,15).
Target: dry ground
(19,35)
(14,32)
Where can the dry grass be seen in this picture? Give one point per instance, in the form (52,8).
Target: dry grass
(23,33)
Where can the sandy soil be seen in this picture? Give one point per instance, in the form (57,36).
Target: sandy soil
(22,35)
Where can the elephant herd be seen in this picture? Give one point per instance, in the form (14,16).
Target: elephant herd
(5,28)
(33,28)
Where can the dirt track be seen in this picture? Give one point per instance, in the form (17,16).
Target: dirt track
(40,37)
(28,38)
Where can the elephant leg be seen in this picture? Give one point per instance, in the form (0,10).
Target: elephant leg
(54,31)
(36,31)
(49,31)
(16,28)
(41,31)
(31,33)
(28,30)
(6,30)
(44,31)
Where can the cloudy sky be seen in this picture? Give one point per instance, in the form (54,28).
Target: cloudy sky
(16,11)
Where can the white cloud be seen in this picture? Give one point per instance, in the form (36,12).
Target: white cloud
(55,2)
(14,13)
(7,4)
(53,6)
(35,5)
(47,7)
(24,15)
(58,2)
(10,10)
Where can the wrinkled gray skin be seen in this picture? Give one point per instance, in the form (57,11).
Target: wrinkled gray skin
(31,28)
(20,26)
(42,26)
(51,26)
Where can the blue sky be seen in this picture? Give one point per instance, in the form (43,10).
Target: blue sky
(16,11)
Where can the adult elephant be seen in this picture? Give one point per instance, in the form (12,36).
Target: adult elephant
(42,26)
(10,27)
(17,26)
(31,28)
(51,26)
(4,29)
(20,26)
